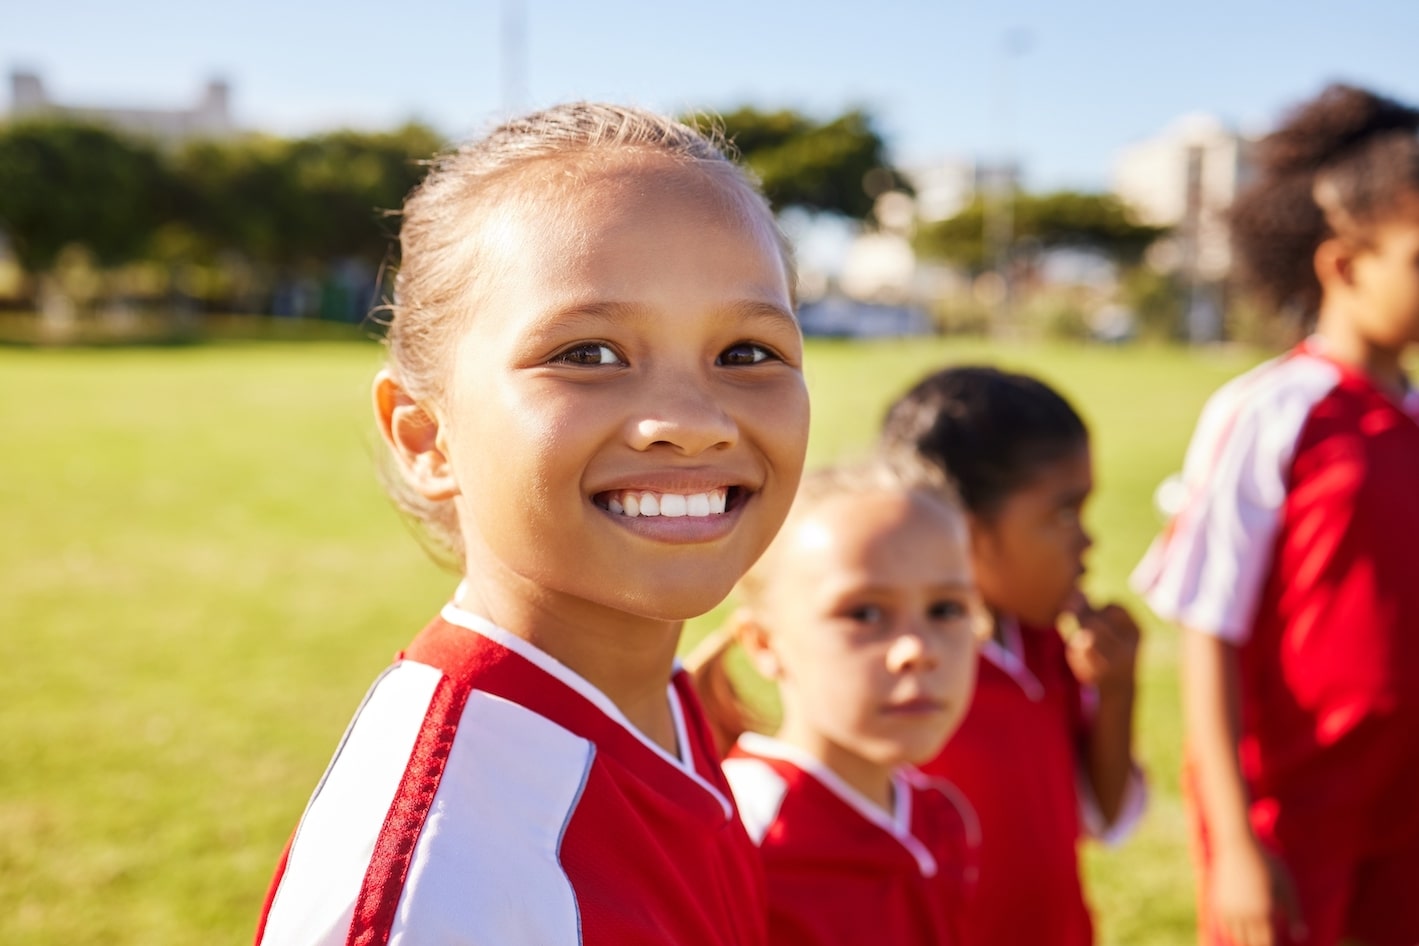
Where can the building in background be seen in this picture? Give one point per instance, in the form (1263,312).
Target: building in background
(209,117)
(1186,178)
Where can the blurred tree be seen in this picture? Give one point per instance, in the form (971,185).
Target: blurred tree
(820,166)
(65,183)
(1048,221)
(307,200)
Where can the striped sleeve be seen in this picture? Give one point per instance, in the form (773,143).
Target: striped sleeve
(315,895)
(440,820)
(1207,569)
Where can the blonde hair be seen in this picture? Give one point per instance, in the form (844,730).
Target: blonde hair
(439,264)
(728,713)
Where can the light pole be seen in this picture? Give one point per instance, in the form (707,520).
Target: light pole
(514,56)
(998,196)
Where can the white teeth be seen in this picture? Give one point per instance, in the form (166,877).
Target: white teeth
(669,505)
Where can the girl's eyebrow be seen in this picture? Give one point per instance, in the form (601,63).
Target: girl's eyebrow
(747,310)
(849,589)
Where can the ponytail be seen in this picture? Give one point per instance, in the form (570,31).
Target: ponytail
(729,715)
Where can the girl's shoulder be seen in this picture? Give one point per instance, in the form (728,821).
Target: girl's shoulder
(1291,383)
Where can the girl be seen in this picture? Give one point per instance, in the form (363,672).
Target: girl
(864,613)
(1291,563)
(594,396)
(1047,741)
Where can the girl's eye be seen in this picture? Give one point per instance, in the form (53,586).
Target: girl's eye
(865,614)
(744,353)
(946,611)
(590,353)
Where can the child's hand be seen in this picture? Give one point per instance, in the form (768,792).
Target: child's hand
(1103,651)
(1252,896)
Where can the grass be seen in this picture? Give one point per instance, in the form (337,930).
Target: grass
(199,578)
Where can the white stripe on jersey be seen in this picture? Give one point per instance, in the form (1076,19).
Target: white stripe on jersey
(487,869)
(1207,570)
(897,822)
(759,792)
(545,662)
(337,834)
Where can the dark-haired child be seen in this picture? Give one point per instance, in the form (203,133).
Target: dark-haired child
(864,614)
(1292,561)
(1045,752)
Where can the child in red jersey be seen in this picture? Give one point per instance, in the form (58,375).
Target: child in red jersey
(1046,749)
(865,615)
(1291,561)
(594,396)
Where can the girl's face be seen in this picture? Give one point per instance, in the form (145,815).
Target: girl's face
(1386,280)
(625,417)
(1029,555)
(869,622)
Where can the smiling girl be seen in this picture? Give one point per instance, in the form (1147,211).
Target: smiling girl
(594,400)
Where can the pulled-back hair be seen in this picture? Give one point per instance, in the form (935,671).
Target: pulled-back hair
(728,713)
(1334,167)
(441,264)
(988,430)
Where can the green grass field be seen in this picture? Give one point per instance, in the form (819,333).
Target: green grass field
(199,578)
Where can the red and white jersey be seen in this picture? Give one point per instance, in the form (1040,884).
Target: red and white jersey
(1298,540)
(485,793)
(843,871)
(1016,757)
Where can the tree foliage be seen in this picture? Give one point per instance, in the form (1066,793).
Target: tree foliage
(816,165)
(63,183)
(1047,221)
(270,200)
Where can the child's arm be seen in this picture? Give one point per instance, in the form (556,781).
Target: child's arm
(1103,653)
(1248,886)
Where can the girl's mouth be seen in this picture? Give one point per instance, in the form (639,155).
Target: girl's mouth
(643,503)
(920,706)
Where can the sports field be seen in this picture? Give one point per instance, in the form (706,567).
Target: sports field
(199,578)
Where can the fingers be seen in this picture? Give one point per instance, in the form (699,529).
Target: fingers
(1251,930)
(1113,631)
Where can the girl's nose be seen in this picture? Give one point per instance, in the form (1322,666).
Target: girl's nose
(685,416)
(911,650)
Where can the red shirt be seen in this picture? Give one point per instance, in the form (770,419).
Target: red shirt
(485,793)
(1015,759)
(1298,541)
(843,871)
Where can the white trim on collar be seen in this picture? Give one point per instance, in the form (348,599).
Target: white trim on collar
(684,761)
(897,822)
(1010,658)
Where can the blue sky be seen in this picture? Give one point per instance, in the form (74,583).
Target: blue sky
(1062,84)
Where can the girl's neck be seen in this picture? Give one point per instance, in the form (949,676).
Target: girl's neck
(871,780)
(628,658)
(1382,364)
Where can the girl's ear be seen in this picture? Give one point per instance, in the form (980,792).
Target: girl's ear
(754,638)
(1334,263)
(415,436)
